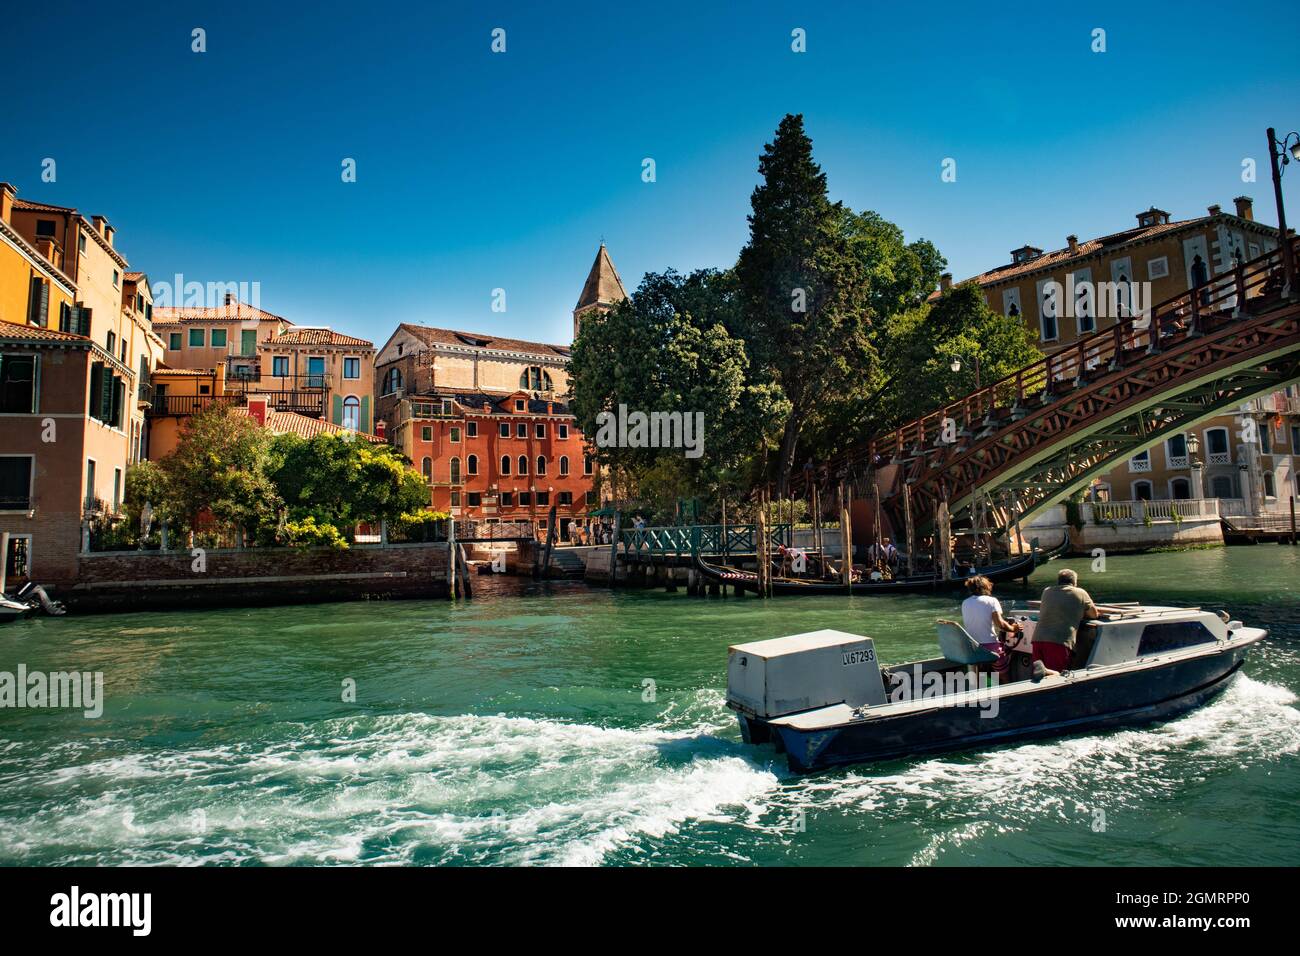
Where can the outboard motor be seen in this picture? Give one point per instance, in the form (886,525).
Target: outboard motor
(786,675)
(34,596)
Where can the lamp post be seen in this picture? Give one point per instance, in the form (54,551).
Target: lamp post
(1283,150)
(956,367)
(1196,465)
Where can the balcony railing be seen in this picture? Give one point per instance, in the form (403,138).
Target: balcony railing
(189,404)
(144,395)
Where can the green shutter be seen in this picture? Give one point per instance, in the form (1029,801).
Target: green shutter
(337,418)
(96,389)
(364,424)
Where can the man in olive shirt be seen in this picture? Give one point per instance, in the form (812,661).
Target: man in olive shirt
(1064,607)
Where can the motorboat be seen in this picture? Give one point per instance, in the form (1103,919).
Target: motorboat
(823,699)
(29,599)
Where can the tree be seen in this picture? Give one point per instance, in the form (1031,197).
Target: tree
(804,291)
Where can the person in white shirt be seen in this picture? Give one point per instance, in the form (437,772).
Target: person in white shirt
(981,615)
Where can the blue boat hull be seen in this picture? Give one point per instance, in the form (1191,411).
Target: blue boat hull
(1121,699)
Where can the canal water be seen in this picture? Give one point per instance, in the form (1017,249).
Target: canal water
(556,724)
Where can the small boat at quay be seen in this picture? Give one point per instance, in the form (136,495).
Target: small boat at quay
(823,699)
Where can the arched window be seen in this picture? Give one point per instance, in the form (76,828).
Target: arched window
(564,464)
(352,413)
(1216,446)
(536,379)
(505,464)
(541,464)
(426,467)
(1141,491)
(523,464)
(471,464)
(1180,489)
(392,380)
(455,470)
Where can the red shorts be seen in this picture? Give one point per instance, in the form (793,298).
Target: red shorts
(1055,657)
(1003,663)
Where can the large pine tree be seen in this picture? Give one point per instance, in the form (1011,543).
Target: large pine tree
(805,299)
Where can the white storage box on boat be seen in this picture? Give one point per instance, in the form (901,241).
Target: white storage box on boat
(785,675)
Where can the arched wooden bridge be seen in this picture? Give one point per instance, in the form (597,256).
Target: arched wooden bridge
(1030,439)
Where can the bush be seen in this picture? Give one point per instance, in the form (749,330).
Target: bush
(419,526)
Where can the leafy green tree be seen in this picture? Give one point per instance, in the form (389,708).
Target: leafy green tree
(804,292)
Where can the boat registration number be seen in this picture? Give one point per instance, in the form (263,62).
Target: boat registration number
(858,657)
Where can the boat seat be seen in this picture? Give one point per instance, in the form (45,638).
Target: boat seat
(957,646)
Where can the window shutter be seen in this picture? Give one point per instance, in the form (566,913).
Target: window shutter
(119,399)
(44,317)
(364,424)
(106,396)
(96,389)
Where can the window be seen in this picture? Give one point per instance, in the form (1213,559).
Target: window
(1048,310)
(591,498)
(1295,439)
(426,469)
(455,471)
(1158,268)
(507,499)
(519,404)
(475,498)
(174,341)
(1176,451)
(471,464)
(90,483)
(38,302)
(352,413)
(539,431)
(563,430)
(316,371)
(455,495)
(564,464)
(536,379)
(45,227)
(543,498)
(503,430)
(1265,438)
(1142,490)
(1140,462)
(523,464)
(564,498)
(197,338)
(1180,489)
(18,375)
(392,381)
(1270,485)
(521,430)
(117,277)
(525,499)
(117,488)
(16,482)
(81,242)
(471,429)
(1159,638)
(352,368)
(280,366)
(110,341)
(455,434)
(218,338)
(426,433)
(541,464)
(1216,444)
(586,464)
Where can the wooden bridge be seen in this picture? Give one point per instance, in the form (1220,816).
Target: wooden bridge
(1033,437)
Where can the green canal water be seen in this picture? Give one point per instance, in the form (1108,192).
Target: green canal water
(519,728)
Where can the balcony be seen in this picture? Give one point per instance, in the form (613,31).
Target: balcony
(1220,458)
(144,395)
(179,405)
(309,403)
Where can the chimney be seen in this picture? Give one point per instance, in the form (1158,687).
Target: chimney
(100,222)
(1245,207)
(7,196)
(48,248)
(945,282)
(550,408)
(1214,210)
(380,427)
(230,298)
(1073,243)
(257,409)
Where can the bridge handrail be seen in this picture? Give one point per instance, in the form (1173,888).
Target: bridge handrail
(683,540)
(1181,313)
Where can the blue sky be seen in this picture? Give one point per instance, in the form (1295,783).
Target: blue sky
(478,171)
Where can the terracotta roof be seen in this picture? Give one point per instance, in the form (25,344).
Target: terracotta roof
(32,206)
(303,336)
(168,370)
(236,311)
(16,331)
(134,276)
(431,336)
(474,401)
(291,423)
(1059,256)
(603,286)
(40,206)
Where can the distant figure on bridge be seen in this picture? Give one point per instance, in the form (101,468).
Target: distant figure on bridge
(1065,606)
(638,522)
(1200,276)
(981,615)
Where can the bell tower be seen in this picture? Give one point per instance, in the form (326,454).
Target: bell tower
(602,290)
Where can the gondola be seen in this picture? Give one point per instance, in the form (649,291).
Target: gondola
(1019,566)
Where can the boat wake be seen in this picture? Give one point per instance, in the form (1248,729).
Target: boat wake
(421,789)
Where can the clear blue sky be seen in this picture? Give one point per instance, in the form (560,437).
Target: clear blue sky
(477,170)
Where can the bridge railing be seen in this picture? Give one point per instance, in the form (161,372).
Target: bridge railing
(688,540)
(1190,313)
(493,531)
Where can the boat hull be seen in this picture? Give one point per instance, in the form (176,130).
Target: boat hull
(1072,706)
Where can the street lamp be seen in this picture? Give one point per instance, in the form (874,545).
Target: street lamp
(956,367)
(1278,150)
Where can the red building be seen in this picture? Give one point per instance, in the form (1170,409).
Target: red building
(497,458)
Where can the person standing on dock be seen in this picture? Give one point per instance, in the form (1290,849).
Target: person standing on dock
(1064,607)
